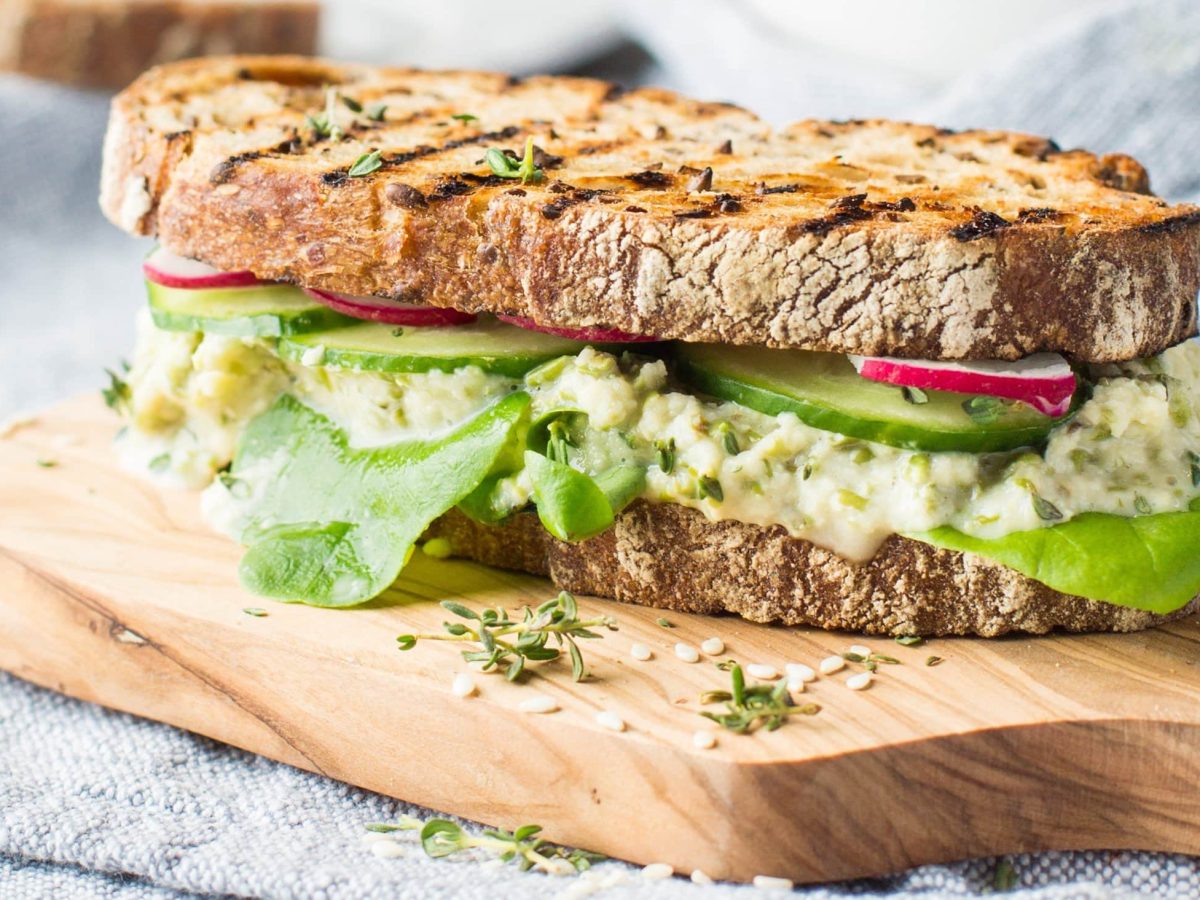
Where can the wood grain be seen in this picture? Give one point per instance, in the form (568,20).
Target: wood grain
(115,591)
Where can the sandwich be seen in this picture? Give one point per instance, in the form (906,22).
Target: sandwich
(859,375)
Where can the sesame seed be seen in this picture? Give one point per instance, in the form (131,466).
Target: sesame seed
(559,867)
(640,652)
(704,740)
(713,646)
(800,671)
(796,685)
(701,877)
(388,849)
(859,682)
(687,652)
(656,871)
(831,664)
(539,703)
(463,684)
(313,356)
(860,650)
(610,720)
(762,670)
(771,883)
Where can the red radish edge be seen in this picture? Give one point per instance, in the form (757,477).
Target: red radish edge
(377,309)
(170,270)
(1043,381)
(599,335)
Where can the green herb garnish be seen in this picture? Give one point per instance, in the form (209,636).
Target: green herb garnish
(324,124)
(1194,460)
(910,640)
(1045,509)
(1141,504)
(365,164)
(257,611)
(664,455)
(710,487)
(441,838)
(375,112)
(914,395)
(506,166)
(465,117)
(1004,876)
(557,619)
(47,463)
(352,104)
(750,707)
(160,463)
(117,395)
(934,661)
(663,623)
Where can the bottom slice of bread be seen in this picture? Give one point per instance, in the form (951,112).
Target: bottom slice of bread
(671,557)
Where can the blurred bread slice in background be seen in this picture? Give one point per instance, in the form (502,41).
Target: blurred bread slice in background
(108,43)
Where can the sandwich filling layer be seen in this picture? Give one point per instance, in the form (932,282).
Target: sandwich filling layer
(594,429)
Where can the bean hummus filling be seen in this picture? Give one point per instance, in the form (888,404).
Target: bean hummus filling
(1129,449)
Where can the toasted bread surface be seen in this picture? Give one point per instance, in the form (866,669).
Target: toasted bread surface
(868,237)
(668,556)
(107,43)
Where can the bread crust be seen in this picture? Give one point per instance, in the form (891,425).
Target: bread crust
(671,557)
(107,43)
(870,237)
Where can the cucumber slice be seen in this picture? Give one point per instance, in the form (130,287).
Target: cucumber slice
(825,391)
(371,346)
(263,310)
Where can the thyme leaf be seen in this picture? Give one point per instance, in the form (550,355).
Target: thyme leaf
(365,164)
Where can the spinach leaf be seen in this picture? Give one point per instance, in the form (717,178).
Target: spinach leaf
(571,504)
(1145,562)
(330,525)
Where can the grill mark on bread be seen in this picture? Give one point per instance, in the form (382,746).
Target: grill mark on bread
(982,224)
(339,176)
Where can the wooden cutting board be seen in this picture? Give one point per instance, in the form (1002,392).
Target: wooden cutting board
(115,592)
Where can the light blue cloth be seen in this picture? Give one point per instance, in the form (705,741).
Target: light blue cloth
(116,806)
(97,804)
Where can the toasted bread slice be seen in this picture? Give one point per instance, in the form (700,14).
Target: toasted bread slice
(867,237)
(668,556)
(107,43)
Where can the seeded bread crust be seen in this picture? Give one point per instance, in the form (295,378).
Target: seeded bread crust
(867,237)
(671,557)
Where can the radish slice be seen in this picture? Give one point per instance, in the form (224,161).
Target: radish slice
(377,309)
(1044,381)
(165,268)
(597,335)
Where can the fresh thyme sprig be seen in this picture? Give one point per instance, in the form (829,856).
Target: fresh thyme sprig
(506,166)
(441,838)
(751,706)
(325,124)
(557,619)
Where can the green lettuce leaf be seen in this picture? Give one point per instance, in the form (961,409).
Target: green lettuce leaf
(330,525)
(1145,562)
(571,504)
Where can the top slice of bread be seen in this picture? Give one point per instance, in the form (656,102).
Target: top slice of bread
(868,237)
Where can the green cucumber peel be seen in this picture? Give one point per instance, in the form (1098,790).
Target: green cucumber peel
(333,525)
(1150,562)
